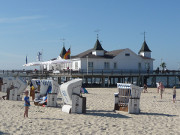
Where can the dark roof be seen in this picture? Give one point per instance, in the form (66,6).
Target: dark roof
(54,59)
(97,46)
(63,52)
(145,47)
(115,52)
(107,55)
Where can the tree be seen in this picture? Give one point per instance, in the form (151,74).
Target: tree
(163,65)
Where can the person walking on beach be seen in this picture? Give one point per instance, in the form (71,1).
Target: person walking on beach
(145,88)
(174,94)
(158,86)
(161,89)
(26,103)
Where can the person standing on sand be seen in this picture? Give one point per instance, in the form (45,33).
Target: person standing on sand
(174,94)
(32,92)
(26,103)
(161,89)
(145,88)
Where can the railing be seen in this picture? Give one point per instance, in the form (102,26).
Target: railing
(90,72)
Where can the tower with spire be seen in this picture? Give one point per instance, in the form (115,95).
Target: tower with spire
(98,50)
(145,51)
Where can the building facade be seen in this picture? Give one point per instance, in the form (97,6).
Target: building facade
(125,60)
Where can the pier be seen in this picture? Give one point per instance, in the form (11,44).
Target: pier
(102,78)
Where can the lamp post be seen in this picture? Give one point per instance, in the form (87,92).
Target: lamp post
(87,64)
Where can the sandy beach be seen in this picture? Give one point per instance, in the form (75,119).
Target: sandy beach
(157,117)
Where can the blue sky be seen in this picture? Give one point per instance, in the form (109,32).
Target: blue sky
(27,27)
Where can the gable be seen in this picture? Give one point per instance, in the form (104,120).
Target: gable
(129,54)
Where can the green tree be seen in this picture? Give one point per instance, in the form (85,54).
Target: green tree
(163,65)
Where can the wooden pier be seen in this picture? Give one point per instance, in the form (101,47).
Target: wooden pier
(101,78)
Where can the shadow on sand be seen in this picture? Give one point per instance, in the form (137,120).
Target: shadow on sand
(50,119)
(104,113)
(157,114)
(47,118)
(2,133)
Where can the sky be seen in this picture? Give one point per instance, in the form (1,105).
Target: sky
(27,27)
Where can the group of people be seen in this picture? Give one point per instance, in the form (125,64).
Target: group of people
(161,89)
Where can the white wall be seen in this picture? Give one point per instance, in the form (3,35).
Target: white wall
(123,62)
(146,54)
(76,64)
(98,52)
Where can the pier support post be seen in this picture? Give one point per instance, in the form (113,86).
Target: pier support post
(113,81)
(153,81)
(103,82)
(86,80)
(138,80)
(119,79)
(132,80)
(59,80)
(167,81)
(108,81)
(67,79)
(91,81)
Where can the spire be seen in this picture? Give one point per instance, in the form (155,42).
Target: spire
(97,36)
(144,36)
(63,52)
(97,45)
(144,48)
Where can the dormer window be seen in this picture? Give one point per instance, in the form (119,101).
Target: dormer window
(127,54)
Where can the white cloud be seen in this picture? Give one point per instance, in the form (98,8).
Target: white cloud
(19,19)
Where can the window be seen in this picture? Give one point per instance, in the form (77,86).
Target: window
(147,66)
(76,65)
(115,65)
(106,65)
(90,65)
(127,54)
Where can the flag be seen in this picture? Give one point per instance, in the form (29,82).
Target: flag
(67,55)
(26,60)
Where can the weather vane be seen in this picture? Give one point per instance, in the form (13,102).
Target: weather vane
(97,31)
(63,40)
(144,33)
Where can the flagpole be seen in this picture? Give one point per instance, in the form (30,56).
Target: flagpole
(70,59)
(26,59)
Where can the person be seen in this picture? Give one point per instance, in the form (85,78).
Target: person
(32,92)
(26,103)
(174,94)
(161,89)
(158,87)
(8,92)
(145,88)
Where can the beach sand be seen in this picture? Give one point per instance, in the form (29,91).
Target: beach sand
(157,117)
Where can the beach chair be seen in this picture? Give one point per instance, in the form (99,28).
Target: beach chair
(128,98)
(47,88)
(71,94)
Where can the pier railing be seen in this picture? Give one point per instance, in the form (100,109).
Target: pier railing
(85,72)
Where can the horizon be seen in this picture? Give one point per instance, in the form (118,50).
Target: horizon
(29,27)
